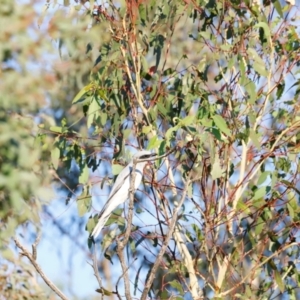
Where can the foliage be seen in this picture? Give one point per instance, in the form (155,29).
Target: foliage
(24,178)
(215,81)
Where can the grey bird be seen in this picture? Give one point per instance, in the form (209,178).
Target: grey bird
(120,190)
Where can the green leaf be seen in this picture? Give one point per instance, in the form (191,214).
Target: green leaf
(168,71)
(84,174)
(291,211)
(292,204)
(177,285)
(254,55)
(265,27)
(116,218)
(146,129)
(84,205)
(164,295)
(8,254)
(226,47)
(255,138)
(55,154)
(279,281)
(127,133)
(93,112)
(102,94)
(259,226)
(221,124)
(56,129)
(92,221)
(205,34)
(154,142)
(258,65)
(262,178)
(162,109)
(216,133)
(216,171)
(277,6)
(116,169)
(132,246)
(243,207)
(280,89)
(187,121)
(103,291)
(260,69)
(169,132)
(251,90)
(79,97)
(260,193)
(242,67)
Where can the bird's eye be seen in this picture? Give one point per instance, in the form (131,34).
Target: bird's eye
(146,156)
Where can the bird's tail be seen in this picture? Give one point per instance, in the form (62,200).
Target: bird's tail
(101,223)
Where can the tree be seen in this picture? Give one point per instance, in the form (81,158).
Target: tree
(213,88)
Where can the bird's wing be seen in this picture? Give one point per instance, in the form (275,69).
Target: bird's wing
(114,200)
(122,177)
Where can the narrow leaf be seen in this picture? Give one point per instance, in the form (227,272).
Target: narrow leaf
(79,97)
(84,174)
(260,69)
(262,178)
(216,171)
(116,169)
(221,124)
(279,281)
(265,28)
(56,129)
(55,153)
(259,193)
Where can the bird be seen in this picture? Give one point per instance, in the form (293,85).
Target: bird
(120,190)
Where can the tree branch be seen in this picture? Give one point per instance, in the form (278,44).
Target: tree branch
(186,257)
(95,267)
(166,242)
(32,259)
(123,243)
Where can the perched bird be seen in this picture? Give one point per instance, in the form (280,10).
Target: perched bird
(120,191)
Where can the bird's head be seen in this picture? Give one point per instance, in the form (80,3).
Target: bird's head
(143,154)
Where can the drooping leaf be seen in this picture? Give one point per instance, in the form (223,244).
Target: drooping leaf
(221,124)
(84,174)
(55,155)
(279,281)
(116,169)
(80,96)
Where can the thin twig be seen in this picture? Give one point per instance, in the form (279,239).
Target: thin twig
(121,244)
(166,241)
(120,248)
(135,88)
(186,257)
(34,245)
(32,259)
(95,267)
(251,272)
(117,283)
